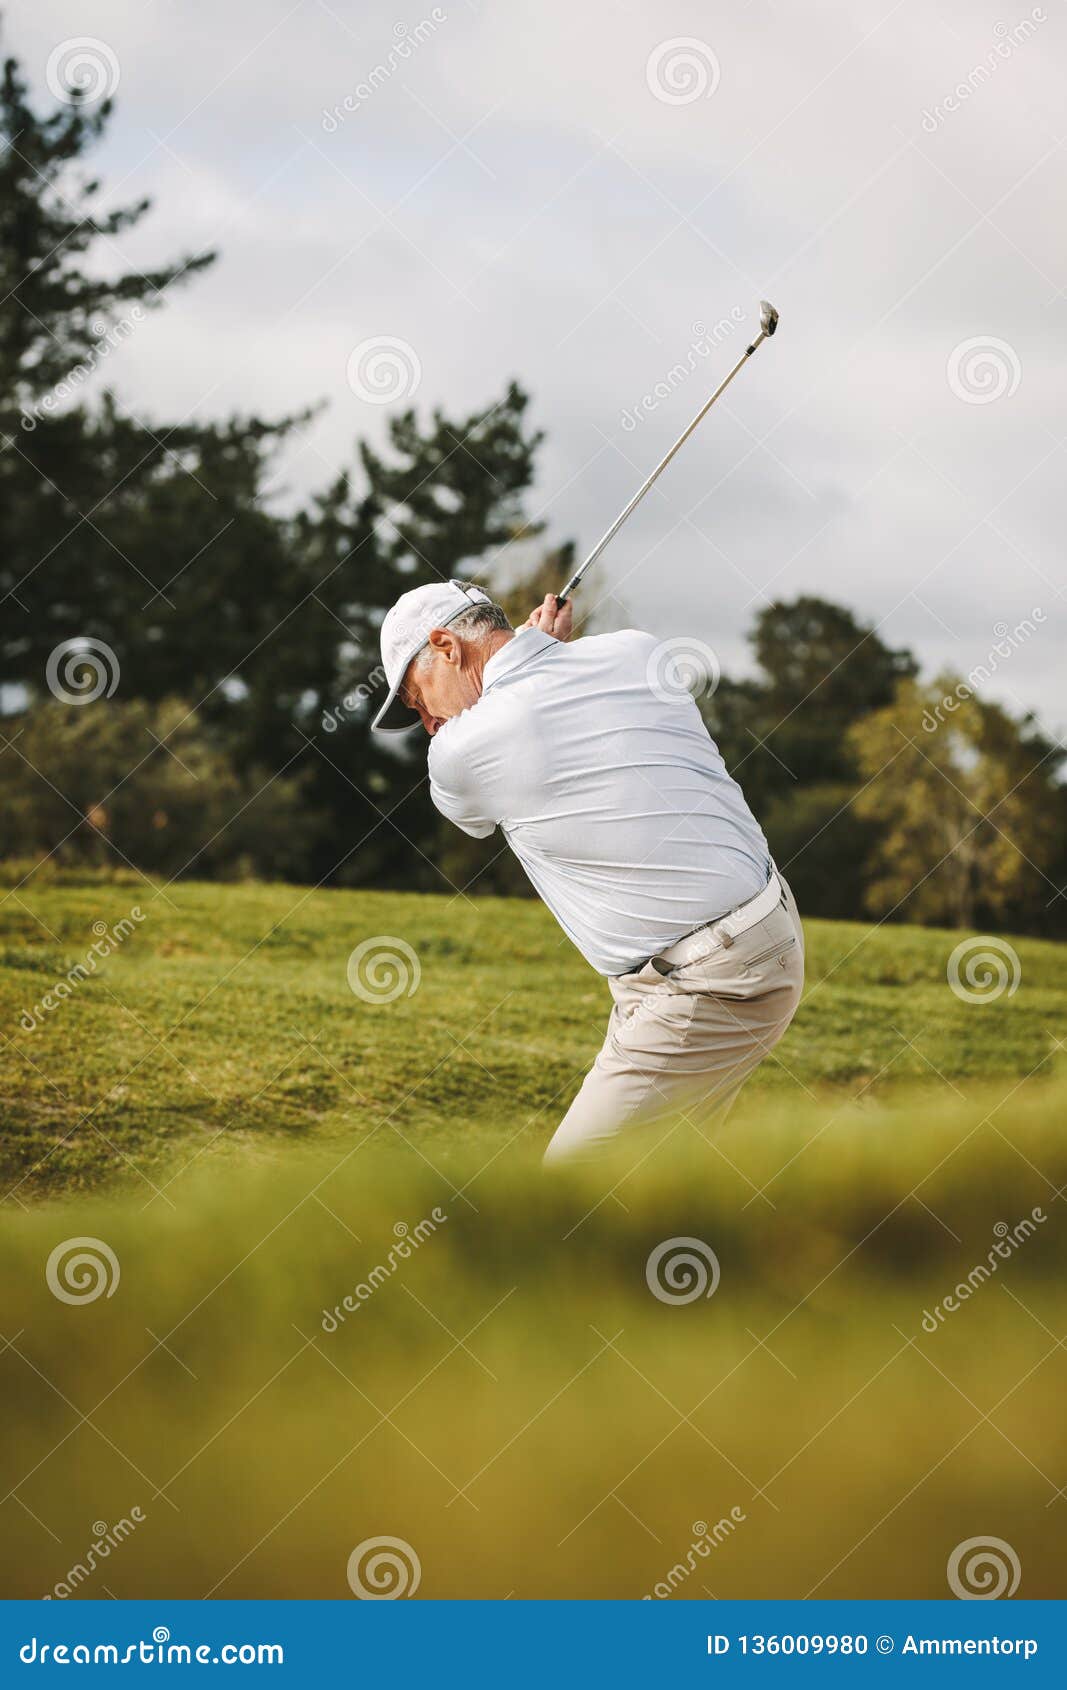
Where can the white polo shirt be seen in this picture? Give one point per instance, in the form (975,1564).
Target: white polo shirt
(612,795)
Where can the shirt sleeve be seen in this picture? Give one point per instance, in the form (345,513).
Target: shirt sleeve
(454,790)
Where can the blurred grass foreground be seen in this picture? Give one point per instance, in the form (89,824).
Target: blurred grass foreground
(819,1356)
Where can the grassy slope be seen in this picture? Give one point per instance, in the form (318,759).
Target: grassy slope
(226,1022)
(513,1400)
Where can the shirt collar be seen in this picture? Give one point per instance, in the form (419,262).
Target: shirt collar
(527,643)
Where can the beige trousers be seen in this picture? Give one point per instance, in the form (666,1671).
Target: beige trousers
(686,1031)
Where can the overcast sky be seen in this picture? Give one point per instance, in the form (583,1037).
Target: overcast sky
(576,194)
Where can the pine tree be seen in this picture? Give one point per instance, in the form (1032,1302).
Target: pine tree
(144,535)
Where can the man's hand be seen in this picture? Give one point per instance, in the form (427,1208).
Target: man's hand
(551,620)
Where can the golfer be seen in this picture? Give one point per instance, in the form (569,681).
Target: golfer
(596,765)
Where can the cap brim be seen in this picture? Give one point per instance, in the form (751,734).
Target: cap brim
(395,717)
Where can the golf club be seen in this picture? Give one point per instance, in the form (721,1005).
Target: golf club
(768,322)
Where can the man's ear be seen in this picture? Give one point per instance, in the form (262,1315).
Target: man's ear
(446,644)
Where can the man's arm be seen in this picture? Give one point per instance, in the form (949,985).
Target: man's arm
(453,791)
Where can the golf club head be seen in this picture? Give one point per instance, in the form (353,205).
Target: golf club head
(768,317)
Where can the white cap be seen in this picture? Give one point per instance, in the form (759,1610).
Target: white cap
(406,630)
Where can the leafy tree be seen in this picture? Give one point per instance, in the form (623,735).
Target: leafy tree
(967,813)
(820,671)
(812,649)
(823,847)
(785,736)
(109,784)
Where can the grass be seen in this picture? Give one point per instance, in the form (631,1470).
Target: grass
(252,1142)
(224,1027)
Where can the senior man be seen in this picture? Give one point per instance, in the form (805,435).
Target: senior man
(604,780)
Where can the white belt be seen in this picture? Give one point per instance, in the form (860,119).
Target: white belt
(726,928)
(745,916)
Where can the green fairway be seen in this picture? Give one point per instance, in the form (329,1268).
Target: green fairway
(223,1026)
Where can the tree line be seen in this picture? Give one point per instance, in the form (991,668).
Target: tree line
(189,674)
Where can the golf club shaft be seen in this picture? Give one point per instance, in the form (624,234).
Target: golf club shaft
(658,471)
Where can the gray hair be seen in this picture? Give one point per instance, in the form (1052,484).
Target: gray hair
(476,623)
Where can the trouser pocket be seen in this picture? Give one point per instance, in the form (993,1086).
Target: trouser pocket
(781,949)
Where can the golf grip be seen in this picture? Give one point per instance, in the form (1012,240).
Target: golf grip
(656,473)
